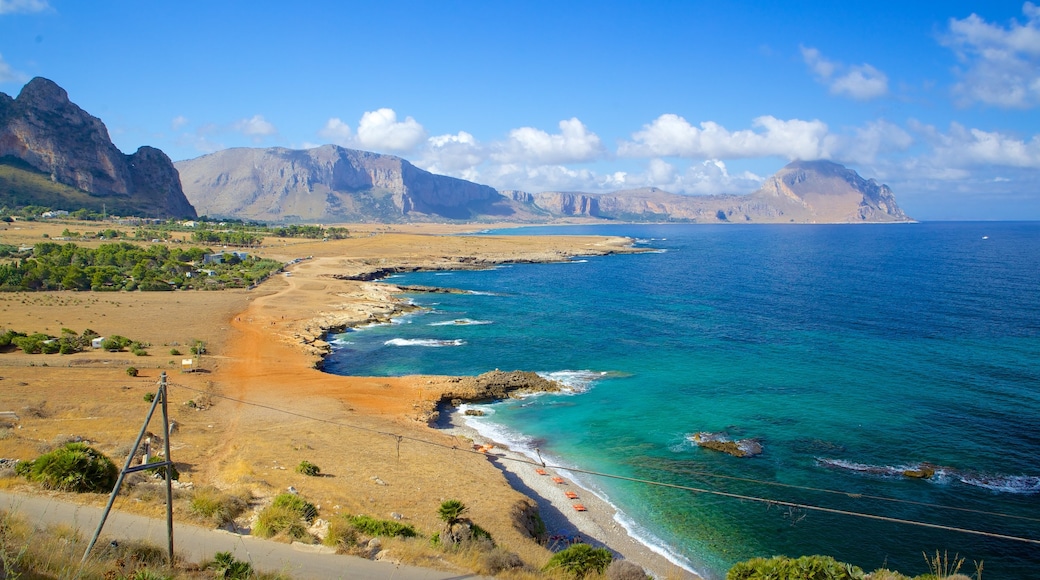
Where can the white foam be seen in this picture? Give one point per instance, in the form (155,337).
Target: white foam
(576,381)
(423,342)
(524,445)
(461,322)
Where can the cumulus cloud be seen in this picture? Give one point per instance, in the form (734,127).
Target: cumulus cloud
(673,136)
(708,177)
(178,122)
(10,75)
(255,127)
(1000,65)
(963,147)
(337,132)
(380,130)
(862,82)
(457,155)
(573,144)
(23,6)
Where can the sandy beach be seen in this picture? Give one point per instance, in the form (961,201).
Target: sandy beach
(268,406)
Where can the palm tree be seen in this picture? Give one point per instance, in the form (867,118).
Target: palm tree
(451,513)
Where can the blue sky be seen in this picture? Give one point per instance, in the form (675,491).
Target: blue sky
(937,99)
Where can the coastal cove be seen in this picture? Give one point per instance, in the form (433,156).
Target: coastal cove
(854,354)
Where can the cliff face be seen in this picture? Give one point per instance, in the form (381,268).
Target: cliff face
(45,130)
(828,192)
(329,184)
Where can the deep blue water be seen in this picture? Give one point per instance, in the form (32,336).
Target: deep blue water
(841,348)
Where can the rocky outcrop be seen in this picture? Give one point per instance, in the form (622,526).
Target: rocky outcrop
(720,442)
(43,130)
(496,385)
(331,184)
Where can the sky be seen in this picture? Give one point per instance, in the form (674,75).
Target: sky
(938,99)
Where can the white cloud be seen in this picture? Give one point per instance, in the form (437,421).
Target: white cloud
(9,75)
(573,144)
(457,155)
(337,132)
(862,82)
(961,147)
(25,6)
(380,130)
(873,140)
(178,122)
(708,177)
(1001,65)
(256,127)
(673,136)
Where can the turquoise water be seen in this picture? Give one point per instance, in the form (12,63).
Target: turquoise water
(850,352)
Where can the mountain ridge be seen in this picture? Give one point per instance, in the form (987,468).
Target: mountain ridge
(43,129)
(332,183)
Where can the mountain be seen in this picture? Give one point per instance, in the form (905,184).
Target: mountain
(801,192)
(333,184)
(54,153)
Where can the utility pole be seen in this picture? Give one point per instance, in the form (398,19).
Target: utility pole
(167,465)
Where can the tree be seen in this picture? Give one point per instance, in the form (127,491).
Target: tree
(450,512)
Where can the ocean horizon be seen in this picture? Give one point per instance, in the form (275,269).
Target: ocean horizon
(854,354)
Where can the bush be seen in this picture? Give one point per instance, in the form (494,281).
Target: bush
(274,520)
(297,504)
(375,527)
(149,397)
(131,371)
(308,468)
(785,568)
(580,560)
(227,566)
(342,533)
(140,352)
(74,467)
(209,503)
(175,352)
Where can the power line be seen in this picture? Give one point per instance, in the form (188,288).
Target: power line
(731,495)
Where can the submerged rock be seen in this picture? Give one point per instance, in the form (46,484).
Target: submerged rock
(720,442)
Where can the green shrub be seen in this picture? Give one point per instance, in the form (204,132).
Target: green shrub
(785,568)
(375,527)
(227,566)
(139,352)
(480,533)
(149,397)
(175,352)
(580,560)
(131,371)
(308,468)
(291,501)
(74,467)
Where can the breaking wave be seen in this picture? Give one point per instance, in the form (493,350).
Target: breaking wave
(1000,483)
(461,322)
(423,342)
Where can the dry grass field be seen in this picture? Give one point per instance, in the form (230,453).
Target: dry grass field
(257,407)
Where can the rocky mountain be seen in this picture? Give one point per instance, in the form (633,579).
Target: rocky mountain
(801,192)
(333,184)
(42,132)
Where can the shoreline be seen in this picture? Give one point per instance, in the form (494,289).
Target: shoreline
(599,525)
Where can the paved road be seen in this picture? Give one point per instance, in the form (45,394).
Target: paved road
(199,544)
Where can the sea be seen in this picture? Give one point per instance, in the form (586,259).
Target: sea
(851,353)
